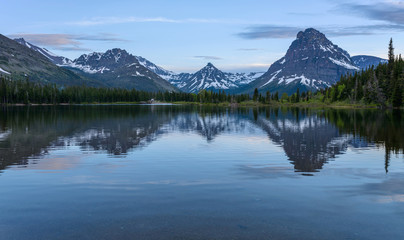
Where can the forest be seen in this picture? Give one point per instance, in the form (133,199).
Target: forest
(381,86)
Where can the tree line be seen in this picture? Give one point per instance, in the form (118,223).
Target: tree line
(27,92)
(382,85)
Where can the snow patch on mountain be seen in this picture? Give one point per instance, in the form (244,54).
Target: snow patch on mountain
(274,74)
(4,71)
(343,64)
(58,60)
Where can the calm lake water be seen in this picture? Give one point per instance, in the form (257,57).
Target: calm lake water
(191,172)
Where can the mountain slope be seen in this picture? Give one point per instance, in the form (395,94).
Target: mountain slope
(21,62)
(118,68)
(364,61)
(163,73)
(58,60)
(311,62)
(214,80)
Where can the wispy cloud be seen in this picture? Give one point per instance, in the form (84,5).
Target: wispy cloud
(209,57)
(390,11)
(271,31)
(120,20)
(74,48)
(66,42)
(117,20)
(45,39)
(363,30)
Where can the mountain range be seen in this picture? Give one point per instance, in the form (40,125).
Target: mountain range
(312,62)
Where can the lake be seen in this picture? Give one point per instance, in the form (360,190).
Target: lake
(193,172)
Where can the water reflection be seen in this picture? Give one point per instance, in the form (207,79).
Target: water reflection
(310,138)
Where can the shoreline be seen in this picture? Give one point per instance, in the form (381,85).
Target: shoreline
(224,104)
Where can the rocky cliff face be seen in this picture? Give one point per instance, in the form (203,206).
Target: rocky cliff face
(117,68)
(311,62)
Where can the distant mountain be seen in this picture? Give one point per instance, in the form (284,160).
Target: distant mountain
(312,62)
(58,60)
(118,68)
(209,77)
(21,62)
(364,61)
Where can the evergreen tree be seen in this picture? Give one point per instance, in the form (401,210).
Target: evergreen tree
(391,52)
(268,97)
(255,96)
(276,98)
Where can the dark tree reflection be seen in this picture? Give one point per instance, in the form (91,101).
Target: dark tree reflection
(309,137)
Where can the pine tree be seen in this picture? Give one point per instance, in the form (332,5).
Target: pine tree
(268,97)
(391,52)
(255,96)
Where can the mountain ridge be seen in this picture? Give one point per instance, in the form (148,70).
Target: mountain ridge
(22,62)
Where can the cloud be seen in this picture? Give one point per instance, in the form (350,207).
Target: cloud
(209,57)
(47,39)
(74,48)
(269,31)
(363,30)
(66,42)
(390,11)
(44,39)
(119,20)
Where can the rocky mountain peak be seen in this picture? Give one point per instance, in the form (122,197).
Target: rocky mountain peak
(210,65)
(311,34)
(311,62)
(20,40)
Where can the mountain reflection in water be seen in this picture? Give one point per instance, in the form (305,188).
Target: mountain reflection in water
(309,137)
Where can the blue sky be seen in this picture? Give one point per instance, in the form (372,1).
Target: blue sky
(184,35)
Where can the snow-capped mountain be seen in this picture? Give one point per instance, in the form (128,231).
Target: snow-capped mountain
(58,60)
(163,73)
(211,78)
(208,77)
(312,62)
(364,61)
(118,68)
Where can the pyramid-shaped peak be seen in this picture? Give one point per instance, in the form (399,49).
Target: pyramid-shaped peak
(210,65)
(311,34)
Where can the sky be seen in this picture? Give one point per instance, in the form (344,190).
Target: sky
(183,35)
